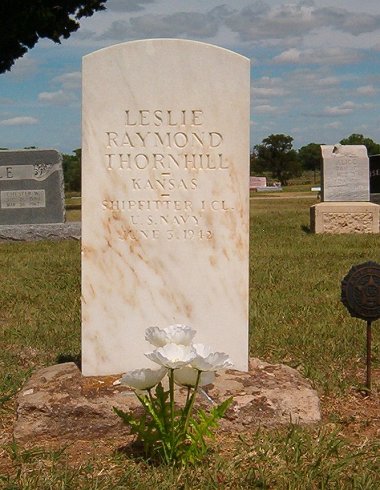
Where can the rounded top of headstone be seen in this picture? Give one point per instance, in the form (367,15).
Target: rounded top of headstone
(339,150)
(361,291)
(151,44)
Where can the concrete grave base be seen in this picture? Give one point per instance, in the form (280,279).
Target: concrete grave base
(344,217)
(54,231)
(58,402)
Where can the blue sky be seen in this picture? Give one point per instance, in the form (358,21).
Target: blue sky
(315,66)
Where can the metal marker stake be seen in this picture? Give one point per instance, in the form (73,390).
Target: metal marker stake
(369,342)
(361,296)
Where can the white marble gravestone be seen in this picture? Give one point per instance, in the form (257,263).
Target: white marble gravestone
(165,200)
(345,173)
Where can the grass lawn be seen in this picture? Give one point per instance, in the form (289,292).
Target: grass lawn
(296,317)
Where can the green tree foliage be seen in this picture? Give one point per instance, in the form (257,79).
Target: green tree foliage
(252,163)
(24,22)
(358,139)
(310,156)
(72,170)
(276,155)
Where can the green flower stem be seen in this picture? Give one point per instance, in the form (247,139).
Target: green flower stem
(184,410)
(171,391)
(149,405)
(191,404)
(188,395)
(149,390)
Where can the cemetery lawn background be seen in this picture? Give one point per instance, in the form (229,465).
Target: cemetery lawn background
(296,318)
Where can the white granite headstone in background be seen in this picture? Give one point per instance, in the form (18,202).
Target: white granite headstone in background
(165,200)
(345,173)
(255,182)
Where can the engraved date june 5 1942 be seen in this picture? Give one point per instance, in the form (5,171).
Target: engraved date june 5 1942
(183,234)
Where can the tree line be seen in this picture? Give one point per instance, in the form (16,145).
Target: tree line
(72,170)
(275,155)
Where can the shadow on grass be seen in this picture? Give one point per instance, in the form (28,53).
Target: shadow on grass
(306,229)
(75,358)
(135,450)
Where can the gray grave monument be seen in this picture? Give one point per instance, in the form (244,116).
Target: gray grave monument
(345,206)
(31,187)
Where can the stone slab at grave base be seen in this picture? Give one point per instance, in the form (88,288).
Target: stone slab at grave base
(59,403)
(28,233)
(344,217)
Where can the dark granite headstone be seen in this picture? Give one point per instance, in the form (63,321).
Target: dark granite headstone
(374,177)
(31,187)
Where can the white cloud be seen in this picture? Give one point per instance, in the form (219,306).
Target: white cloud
(325,56)
(366,90)
(340,110)
(59,97)
(345,108)
(70,80)
(264,21)
(179,24)
(127,6)
(259,21)
(328,81)
(268,91)
(291,55)
(267,87)
(308,79)
(264,109)
(333,125)
(19,121)
(352,22)
(23,68)
(6,101)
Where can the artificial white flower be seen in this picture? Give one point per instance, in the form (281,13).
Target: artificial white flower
(172,356)
(143,379)
(187,376)
(207,360)
(173,334)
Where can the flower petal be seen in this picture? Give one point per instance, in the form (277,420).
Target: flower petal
(207,360)
(179,334)
(172,356)
(156,336)
(187,376)
(143,379)
(173,334)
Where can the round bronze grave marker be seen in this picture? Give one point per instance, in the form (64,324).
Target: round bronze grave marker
(361,291)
